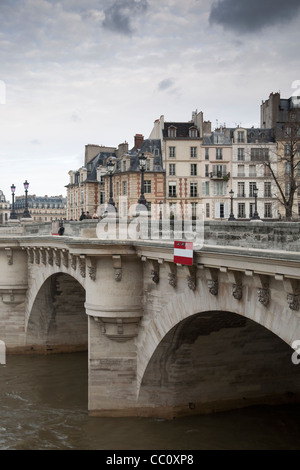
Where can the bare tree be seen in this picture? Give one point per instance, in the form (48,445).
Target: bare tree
(287,172)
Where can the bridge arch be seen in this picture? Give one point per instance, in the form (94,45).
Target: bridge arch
(218,360)
(57,321)
(180,314)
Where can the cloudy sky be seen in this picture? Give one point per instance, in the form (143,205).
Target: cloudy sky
(98,72)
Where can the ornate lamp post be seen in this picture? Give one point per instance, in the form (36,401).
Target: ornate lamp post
(142,163)
(160,217)
(110,169)
(13,214)
(231,215)
(26,211)
(255,215)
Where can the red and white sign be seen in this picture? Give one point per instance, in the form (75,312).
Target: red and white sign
(183,253)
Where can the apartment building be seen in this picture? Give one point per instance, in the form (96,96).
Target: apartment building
(251,150)
(4,209)
(181,155)
(42,208)
(215,172)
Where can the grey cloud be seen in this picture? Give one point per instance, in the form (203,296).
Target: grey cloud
(165,84)
(251,16)
(118,17)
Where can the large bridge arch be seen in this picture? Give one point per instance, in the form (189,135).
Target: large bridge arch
(218,360)
(57,321)
(183,303)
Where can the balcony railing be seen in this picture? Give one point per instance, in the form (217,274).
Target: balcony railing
(219,175)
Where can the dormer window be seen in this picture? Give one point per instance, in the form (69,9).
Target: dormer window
(172,132)
(241,137)
(193,132)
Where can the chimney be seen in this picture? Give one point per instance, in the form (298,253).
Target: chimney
(138,140)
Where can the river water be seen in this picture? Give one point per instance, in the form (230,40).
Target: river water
(44,407)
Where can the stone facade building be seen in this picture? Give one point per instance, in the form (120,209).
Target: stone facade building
(216,175)
(181,144)
(251,149)
(42,209)
(89,187)
(4,209)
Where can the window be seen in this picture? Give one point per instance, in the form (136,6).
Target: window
(252,186)
(219,154)
(206,154)
(82,197)
(205,188)
(147,186)
(124,188)
(241,170)
(241,137)
(193,133)
(268,210)
(124,165)
(206,170)
(172,132)
(218,138)
(102,197)
(241,189)
(219,170)
(219,188)
(267,189)
(193,189)
(172,189)
(148,162)
(194,210)
(193,152)
(287,150)
(267,171)
(252,170)
(241,154)
(287,170)
(221,210)
(287,188)
(172,169)
(194,169)
(207,210)
(259,154)
(172,152)
(241,210)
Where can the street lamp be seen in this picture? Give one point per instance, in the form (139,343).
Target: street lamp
(110,169)
(26,212)
(160,217)
(142,164)
(231,215)
(255,215)
(13,214)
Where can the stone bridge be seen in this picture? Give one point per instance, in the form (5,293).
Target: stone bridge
(163,339)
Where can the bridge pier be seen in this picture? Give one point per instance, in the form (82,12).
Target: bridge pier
(114,307)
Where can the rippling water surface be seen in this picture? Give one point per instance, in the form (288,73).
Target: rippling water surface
(43,405)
